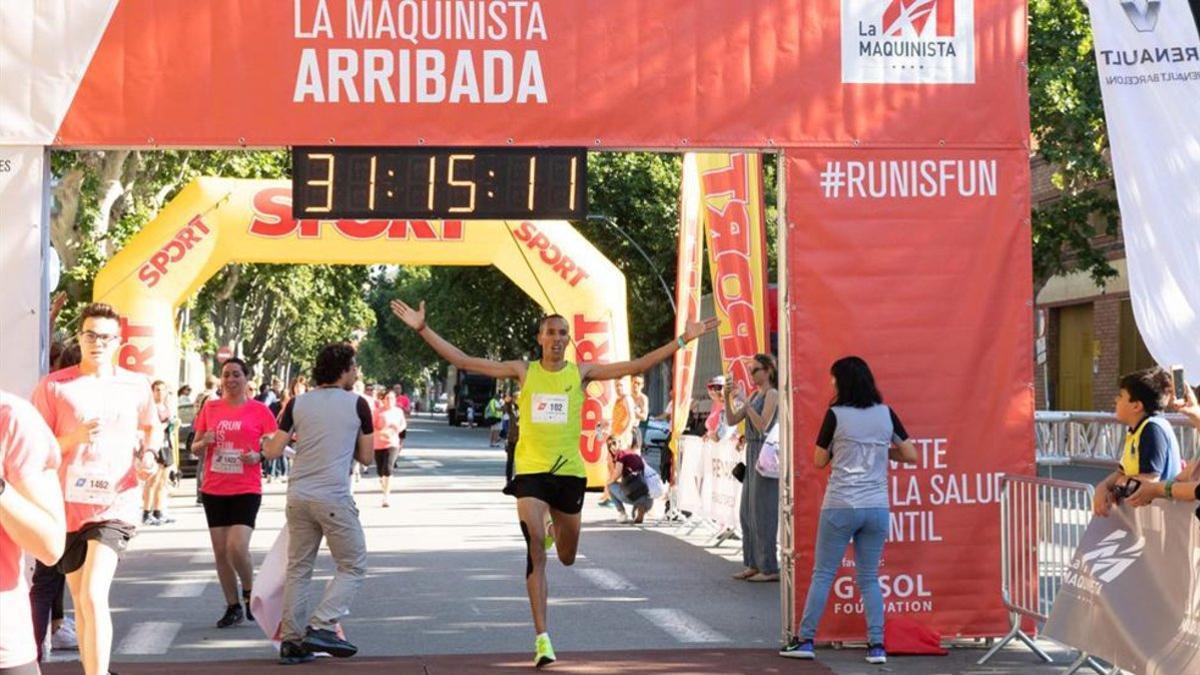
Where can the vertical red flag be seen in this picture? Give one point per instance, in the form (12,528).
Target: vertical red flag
(731,187)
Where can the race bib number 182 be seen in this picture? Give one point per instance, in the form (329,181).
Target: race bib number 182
(550,408)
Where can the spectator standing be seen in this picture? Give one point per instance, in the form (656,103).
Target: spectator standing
(715,428)
(760,494)
(624,420)
(333,428)
(857,438)
(641,404)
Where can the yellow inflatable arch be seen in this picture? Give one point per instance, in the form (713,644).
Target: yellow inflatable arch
(216,221)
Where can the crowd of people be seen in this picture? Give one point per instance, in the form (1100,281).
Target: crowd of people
(93,446)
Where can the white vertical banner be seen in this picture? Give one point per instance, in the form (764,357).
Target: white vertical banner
(23,328)
(1148,57)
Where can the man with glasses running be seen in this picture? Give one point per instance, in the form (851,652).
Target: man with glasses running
(105,421)
(550,476)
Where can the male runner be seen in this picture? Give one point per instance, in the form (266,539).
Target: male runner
(550,478)
(105,420)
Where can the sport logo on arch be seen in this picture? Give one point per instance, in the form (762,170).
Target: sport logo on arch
(908,41)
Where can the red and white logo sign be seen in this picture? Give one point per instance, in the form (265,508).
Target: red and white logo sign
(908,41)
(911,17)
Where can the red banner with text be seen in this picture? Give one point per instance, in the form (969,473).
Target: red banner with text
(731,192)
(595,73)
(919,262)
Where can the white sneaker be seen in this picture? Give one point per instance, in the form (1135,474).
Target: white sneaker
(621,517)
(64,637)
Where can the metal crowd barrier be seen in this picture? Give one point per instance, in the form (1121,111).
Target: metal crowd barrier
(1095,438)
(1042,521)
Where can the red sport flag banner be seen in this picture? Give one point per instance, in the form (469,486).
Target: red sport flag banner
(731,193)
(689,267)
(919,262)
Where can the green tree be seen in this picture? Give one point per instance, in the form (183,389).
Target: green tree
(1067,121)
(477,308)
(276,314)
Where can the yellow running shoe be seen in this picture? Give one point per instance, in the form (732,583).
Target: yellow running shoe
(544,654)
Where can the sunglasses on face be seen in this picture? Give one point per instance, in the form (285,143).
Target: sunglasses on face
(93,337)
(714,387)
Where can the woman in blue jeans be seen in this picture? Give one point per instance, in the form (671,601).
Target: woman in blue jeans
(858,437)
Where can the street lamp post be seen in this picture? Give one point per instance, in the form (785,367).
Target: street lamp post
(613,224)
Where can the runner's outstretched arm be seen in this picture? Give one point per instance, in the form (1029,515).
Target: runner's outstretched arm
(612,371)
(415,319)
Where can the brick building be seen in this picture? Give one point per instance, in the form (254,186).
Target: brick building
(1086,333)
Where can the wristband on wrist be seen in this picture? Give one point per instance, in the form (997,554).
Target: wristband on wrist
(1170,485)
(681,342)
(424,325)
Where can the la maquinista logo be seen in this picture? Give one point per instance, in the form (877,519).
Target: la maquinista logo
(908,41)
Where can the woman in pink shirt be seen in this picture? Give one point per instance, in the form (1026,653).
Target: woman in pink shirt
(228,433)
(390,426)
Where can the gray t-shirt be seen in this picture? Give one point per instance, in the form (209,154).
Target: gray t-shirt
(326,422)
(858,439)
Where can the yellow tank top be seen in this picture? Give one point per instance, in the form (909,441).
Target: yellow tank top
(551,423)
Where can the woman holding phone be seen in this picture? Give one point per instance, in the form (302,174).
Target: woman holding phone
(760,494)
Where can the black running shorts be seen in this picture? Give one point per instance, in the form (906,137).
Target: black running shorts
(384,459)
(114,534)
(562,493)
(229,510)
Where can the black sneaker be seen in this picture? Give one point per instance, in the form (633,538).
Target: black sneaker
(291,653)
(233,616)
(322,640)
(246,602)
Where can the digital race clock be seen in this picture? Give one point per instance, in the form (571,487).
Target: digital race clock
(332,183)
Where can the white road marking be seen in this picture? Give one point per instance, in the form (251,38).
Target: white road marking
(185,588)
(152,637)
(605,579)
(682,626)
(201,558)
